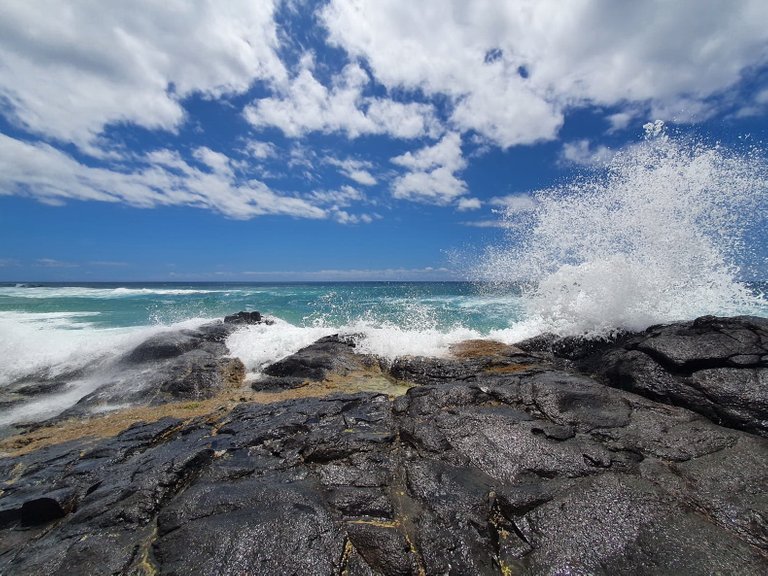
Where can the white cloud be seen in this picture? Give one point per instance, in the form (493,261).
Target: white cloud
(52,263)
(217,162)
(344,217)
(356,170)
(165,179)
(261,150)
(512,68)
(465,204)
(582,152)
(620,120)
(432,172)
(756,107)
(305,105)
(487,223)
(340,198)
(514,203)
(71,68)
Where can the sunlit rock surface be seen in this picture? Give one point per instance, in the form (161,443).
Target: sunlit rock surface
(550,458)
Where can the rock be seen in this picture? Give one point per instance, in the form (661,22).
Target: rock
(717,367)
(169,367)
(468,366)
(517,467)
(331,355)
(245,318)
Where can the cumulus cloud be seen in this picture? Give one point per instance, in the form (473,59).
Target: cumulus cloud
(344,217)
(306,105)
(619,120)
(511,69)
(486,73)
(260,150)
(340,198)
(431,175)
(755,106)
(71,68)
(165,179)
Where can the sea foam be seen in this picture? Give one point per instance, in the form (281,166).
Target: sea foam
(660,233)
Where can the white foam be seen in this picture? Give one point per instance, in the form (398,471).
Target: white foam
(392,341)
(43,292)
(53,343)
(262,344)
(657,237)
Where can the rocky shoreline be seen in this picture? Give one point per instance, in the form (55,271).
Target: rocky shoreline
(647,454)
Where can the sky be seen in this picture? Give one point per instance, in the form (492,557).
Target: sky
(181,140)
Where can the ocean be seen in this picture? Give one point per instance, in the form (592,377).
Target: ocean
(58,328)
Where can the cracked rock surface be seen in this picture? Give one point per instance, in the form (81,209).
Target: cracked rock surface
(501,462)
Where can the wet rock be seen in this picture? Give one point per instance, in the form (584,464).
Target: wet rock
(269,525)
(714,366)
(468,367)
(517,467)
(331,355)
(246,318)
(168,367)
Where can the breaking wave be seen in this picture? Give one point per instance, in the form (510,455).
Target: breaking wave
(668,229)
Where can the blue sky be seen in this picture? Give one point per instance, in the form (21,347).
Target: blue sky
(342,140)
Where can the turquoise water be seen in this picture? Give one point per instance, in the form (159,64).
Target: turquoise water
(54,329)
(440,305)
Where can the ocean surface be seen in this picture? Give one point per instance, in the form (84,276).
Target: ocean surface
(667,230)
(55,328)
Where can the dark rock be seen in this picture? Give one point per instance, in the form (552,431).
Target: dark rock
(47,508)
(332,355)
(713,366)
(163,346)
(525,469)
(423,370)
(269,525)
(245,318)
(384,547)
(572,348)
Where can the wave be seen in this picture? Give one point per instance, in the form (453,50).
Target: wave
(665,231)
(62,347)
(59,342)
(46,292)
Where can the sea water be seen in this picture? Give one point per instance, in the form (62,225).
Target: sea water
(669,229)
(57,328)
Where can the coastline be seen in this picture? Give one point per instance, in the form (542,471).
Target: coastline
(645,454)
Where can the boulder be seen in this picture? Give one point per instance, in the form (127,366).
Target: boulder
(717,367)
(330,356)
(246,318)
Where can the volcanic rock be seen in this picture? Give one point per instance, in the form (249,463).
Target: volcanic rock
(246,318)
(497,464)
(717,367)
(333,354)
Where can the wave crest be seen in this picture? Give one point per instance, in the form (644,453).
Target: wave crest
(660,233)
